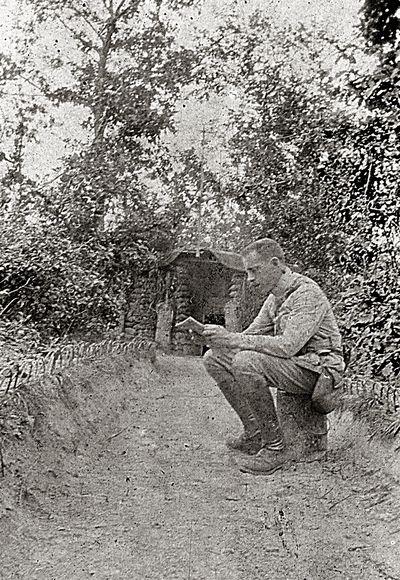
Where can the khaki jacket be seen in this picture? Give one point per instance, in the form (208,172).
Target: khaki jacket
(300,324)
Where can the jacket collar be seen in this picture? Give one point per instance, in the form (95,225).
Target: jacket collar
(283,284)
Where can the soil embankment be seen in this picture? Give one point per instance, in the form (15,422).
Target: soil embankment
(126,476)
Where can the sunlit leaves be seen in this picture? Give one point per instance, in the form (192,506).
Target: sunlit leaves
(320,167)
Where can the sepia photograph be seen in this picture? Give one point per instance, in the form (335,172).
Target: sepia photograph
(199,289)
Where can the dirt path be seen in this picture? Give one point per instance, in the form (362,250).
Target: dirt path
(162,498)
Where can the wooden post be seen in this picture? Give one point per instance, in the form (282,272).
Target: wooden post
(165,316)
(182,342)
(232,309)
(305,430)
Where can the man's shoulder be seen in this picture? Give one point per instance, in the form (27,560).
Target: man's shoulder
(301,285)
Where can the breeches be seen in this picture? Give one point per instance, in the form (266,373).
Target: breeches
(226,366)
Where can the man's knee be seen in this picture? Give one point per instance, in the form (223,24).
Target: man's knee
(212,364)
(209,359)
(247,361)
(260,367)
(218,365)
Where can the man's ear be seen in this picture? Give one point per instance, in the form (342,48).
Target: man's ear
(275,261)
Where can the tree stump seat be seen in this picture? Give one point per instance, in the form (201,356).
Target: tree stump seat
(305,430)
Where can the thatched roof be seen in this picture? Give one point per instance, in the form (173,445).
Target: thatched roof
(230,260)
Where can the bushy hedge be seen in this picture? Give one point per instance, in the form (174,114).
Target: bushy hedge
(57,286)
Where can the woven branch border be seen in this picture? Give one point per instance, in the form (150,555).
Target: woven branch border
(61,358)
(383,395)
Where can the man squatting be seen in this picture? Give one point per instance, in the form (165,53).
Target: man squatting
(292,338)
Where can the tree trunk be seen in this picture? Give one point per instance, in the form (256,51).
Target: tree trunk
(304,429)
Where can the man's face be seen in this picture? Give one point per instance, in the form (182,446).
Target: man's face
(262,274)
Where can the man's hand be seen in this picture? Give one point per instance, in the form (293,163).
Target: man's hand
(218,336)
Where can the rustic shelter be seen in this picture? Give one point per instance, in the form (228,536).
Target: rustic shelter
(202,284)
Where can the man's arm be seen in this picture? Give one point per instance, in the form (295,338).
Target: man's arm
(307,309)
(263,322)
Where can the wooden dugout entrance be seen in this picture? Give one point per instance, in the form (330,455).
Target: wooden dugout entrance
(198,283)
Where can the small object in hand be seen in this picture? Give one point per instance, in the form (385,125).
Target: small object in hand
(190,324)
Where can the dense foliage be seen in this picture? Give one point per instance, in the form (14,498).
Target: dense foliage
(310,146)
(73,247)
(282,131)
(370,212)
(319,159)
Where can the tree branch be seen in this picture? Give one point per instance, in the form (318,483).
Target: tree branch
(86,43)
(119,9)
(109,6)
(31,83)
(9,292)
(366,189)
(77,12)
(8,306)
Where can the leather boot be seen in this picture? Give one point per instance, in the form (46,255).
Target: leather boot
(267,461)
(240,406)
(246,443)
(261,402)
